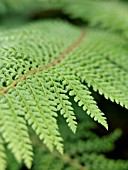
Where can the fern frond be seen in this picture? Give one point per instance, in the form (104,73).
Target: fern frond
(39,68)
(3,159)
(14,129)
(47,162)
(62,100)
(81,95)
(22,93)
(97,70)
(82,155)
(45,113)
(98,144)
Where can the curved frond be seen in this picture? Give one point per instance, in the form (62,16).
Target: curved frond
(81,94)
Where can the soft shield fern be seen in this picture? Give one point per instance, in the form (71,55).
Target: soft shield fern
(42,64)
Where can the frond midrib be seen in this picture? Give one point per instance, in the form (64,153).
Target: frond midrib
(55,62)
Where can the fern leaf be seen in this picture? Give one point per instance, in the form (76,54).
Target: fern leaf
(95,69)
(41,114)
(47,162)
(82,155)
(37,111)
(14,130)
(108,48)
(39,68)
(3,158)
(102,144)
(62,100)
(82,96)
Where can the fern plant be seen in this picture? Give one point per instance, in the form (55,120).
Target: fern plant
(43,63)
(82,155)
(87,151)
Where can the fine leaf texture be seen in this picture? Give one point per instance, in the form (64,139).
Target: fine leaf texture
(45,62)
(84,154)
(39,68)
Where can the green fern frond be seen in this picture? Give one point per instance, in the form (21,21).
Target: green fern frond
(62,100)
(43,63)
(14,129)
(96,69)
(3,159)
(22,93)
(81,95)
(37,74)
(84,154)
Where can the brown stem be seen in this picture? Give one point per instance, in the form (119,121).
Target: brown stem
(55,62)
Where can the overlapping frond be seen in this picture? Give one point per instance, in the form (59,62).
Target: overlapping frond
(81,94)
(61,99)
(84,154)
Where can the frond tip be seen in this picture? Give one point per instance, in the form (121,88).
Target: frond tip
(82,95)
